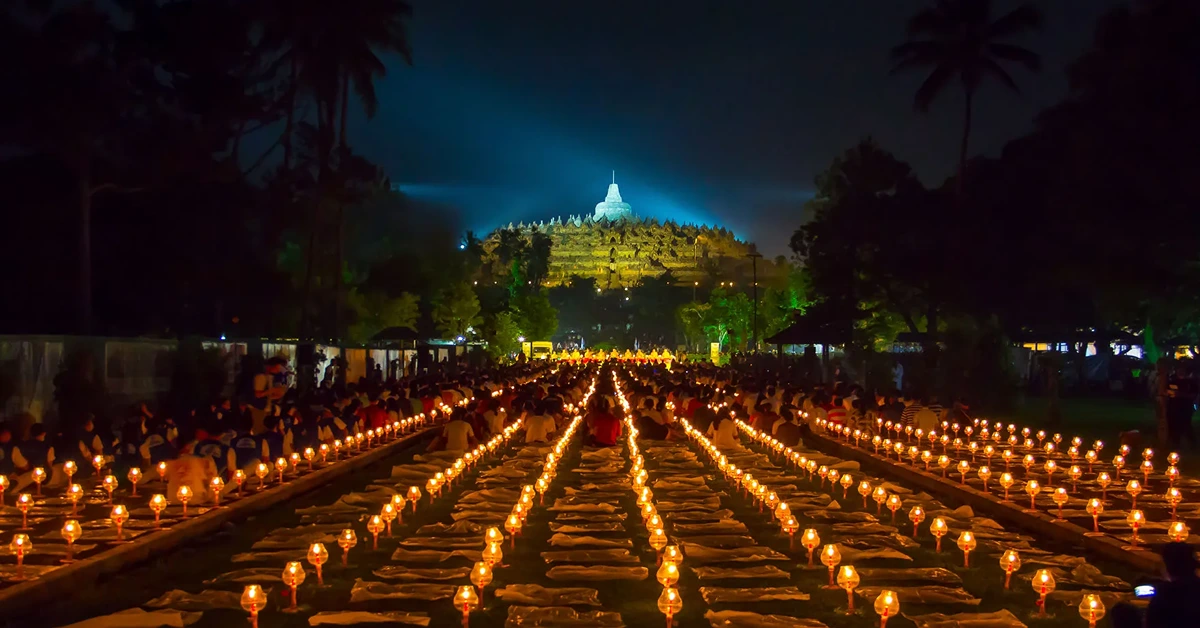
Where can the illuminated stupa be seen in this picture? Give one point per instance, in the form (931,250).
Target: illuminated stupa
(617,248)
(612,208)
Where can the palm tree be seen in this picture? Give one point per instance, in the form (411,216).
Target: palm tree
(959,39)
(324,47)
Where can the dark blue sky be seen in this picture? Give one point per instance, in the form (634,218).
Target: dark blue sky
(715,112)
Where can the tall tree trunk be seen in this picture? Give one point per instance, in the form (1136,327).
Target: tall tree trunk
(966,137)
(84,176)
(306,298)
(345,90)
(291,114)
(338,286)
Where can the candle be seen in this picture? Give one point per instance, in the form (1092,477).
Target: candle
(1135,519)
(119,516)
(375,526)
(1091,609)
(293,577)
(39,476)
(1043,584)
(20,546)
(1094,508)
(253,599)
(1060,498)
(966,543)
(317,555)
(74,493)
(157,503)
(71,533)
(184,494)
(668,573)
(1178,532)
(810,540)
(831,557)
(346,540)
(916,515)
(262,471)
(1134,488)
(669,603)
(388,513)
(110,484)
(24,501)
(938,529)
(886,605)
(217,485)
(1010,561)
(1032,488)
(848,579)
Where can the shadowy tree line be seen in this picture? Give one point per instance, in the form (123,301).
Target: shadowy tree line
(1084,228)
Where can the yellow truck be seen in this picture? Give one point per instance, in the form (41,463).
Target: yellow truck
(537,349)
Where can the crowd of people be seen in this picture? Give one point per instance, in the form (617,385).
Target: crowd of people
(270,420)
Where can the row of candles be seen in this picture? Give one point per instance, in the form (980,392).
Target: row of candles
(1091,457)
(1091,607)
(887,603)
(254,599)
(481,574)
(1177,531)
(669,557)
(21,545)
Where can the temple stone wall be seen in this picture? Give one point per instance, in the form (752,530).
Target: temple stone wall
(618,253)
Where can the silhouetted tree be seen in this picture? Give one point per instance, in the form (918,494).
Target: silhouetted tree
(959,40)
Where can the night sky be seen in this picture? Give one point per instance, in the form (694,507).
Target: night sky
(710,112)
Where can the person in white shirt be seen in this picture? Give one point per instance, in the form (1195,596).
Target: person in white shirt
(457,433)
(539,425)
(723,431)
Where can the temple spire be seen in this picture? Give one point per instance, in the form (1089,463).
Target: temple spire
(614,177)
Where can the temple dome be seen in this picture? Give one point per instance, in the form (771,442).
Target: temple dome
(612,207)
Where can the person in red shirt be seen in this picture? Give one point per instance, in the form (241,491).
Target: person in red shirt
(375,415)
(605,428)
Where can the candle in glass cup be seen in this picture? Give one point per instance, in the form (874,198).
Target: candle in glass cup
(375,525)
(20,546)
(71,531)
(670,603)
(848,579)
(831,557)
(24,502)
(887,604)
(1095,508)
(293,577)
(119,516)
(1136,520)
(317,556)
(346,540)
(184,494)
(1043,584)
(810,540)
(157,503)
(253,600)
(966,543)
(109,483)
(1010,561)
(1134,488)
(916,515)
(39,476)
